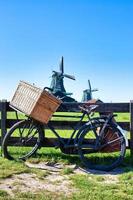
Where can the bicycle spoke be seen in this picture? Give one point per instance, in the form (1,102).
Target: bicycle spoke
(32,136)
(113,141)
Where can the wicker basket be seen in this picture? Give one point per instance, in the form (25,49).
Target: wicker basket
(35,102)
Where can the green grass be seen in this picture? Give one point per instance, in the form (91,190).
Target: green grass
(67,171)
(120,116)
(8,168)
(54,155)
(41,195)
(3,194)
(98,190)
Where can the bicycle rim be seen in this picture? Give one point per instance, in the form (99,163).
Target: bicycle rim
(22,140)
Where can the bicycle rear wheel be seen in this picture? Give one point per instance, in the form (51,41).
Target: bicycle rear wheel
(22,140)
(110,153)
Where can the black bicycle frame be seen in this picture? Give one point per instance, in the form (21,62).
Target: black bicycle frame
(68,143)
(61,140)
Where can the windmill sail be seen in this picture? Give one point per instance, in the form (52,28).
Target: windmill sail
(57,83)
(62,65)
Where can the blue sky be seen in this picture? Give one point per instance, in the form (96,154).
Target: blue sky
(94,36)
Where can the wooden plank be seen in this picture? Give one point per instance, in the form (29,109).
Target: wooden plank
(3,118)
(124,125)
(52,142)
(68,125)
(103,107)
(0,105)
(131,127)
(48,142)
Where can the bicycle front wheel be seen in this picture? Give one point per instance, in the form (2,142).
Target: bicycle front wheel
(110,152)
(22,140)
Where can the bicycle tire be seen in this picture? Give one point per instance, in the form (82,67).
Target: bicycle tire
(106,158)
(16,143)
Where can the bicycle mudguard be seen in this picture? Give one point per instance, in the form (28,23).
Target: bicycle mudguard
(124,133)
(81,129)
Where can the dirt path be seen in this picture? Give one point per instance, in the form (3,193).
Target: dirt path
(30,183)
(54,181)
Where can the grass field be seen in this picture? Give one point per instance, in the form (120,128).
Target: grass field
(95,185)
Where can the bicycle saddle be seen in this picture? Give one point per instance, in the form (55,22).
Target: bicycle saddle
(87,108)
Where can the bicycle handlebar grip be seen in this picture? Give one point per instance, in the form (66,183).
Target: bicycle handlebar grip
(47,88)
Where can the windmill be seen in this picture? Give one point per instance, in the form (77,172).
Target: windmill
(57,83)
(87,94)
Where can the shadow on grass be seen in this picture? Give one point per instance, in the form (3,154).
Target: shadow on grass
(56,156)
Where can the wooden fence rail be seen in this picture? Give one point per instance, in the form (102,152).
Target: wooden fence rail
(63,124)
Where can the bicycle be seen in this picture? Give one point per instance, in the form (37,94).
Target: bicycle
(100,142)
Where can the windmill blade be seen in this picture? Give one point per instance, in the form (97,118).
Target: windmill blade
(89,83)
(94,90)
(69,76)
(62,65)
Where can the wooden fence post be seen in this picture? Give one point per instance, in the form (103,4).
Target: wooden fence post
(131,127)
(3,119)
